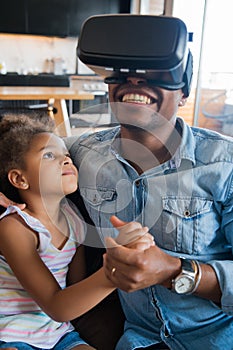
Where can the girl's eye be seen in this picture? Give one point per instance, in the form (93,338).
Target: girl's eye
(49,155)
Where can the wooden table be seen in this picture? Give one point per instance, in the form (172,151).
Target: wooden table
(54,95)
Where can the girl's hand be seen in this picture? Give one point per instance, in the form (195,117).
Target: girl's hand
(5,202)
(132,234)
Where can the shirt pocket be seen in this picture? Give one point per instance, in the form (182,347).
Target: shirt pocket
(187,224)
(96,196)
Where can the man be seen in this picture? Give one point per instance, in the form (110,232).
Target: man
(174,179)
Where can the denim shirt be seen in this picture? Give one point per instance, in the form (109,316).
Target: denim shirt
(187,204)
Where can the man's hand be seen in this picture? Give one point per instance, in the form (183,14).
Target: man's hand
(133,269)
(5,202)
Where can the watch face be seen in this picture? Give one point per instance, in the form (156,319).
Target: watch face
(184,284)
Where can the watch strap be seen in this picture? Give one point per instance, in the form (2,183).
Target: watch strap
(192,269)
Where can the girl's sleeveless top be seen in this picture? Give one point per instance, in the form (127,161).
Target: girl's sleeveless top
(21,319)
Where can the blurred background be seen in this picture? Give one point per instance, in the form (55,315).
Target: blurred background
(38,40)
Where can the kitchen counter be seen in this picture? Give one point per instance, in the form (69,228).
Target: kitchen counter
(14,79)
(55,96)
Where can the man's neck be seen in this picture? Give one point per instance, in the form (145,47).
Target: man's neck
(144,150)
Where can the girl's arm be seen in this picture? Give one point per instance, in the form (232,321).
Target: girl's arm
(18,244)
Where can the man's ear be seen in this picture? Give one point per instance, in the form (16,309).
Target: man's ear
(17,179)
(182,101)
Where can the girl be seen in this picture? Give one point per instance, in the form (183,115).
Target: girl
(39,242)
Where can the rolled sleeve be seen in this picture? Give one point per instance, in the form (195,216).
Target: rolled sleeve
(224,272)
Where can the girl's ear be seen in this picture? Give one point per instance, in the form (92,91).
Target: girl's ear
(17,179)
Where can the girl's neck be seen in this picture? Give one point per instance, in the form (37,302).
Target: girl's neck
(49,213)
(43,209)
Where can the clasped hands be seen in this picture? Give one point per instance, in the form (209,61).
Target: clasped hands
(133,261)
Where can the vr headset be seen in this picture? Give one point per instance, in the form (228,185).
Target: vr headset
(154,47)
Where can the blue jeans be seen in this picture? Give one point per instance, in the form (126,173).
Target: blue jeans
(67,342)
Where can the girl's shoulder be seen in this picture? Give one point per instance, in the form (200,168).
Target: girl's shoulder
(12,232)
(15,234)
(12,222)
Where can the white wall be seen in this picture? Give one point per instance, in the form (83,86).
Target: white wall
(28,53)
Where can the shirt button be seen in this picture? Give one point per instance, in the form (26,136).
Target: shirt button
(166,333)
(137,183)
(187,213)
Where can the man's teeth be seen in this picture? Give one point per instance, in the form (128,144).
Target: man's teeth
(136,98)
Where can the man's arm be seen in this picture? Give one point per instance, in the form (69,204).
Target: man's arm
(5,202)
(137,270)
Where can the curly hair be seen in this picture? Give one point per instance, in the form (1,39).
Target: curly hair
(16,133)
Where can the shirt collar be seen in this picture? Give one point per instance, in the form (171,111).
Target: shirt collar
(186,150)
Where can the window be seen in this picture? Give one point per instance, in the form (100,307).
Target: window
(210,103)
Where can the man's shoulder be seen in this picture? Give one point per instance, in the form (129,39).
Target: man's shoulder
(91,138)
(211,136)
(219,147)
(79,147)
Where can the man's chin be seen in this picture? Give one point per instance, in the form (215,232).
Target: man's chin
(132,127)
(148,122)
(131,107)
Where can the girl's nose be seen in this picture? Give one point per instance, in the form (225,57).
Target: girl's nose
(67,160)
(136,80)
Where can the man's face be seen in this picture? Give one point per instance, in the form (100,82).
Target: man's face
(139,104)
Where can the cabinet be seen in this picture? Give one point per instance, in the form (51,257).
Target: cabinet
(13,16)
(54,17)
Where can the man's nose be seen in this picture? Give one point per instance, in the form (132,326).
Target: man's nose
(136,80)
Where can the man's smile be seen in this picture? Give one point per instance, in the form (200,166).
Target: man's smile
(138,95)
(137,98)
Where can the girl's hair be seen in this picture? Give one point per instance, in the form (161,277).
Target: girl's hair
(16,133)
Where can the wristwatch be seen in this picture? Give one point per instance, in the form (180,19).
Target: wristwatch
(188,280)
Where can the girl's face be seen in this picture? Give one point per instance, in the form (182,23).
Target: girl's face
(49,169)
